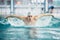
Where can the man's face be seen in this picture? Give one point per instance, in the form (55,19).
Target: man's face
(29,16)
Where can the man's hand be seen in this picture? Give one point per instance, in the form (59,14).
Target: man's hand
(20,17)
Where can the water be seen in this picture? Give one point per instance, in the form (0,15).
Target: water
(46,28)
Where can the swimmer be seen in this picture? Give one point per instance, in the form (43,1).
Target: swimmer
(30,20)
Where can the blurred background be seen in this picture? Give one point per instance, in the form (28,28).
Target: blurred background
(25,6)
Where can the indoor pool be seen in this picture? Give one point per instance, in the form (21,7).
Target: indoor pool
(46,28)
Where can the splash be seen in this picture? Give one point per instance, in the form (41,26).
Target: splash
(41,22)
(15,22)
(44,21)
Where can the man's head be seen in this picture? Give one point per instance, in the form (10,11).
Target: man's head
(29,15)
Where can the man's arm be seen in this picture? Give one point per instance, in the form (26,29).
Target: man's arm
(20,17)
(41,15)
(47,15)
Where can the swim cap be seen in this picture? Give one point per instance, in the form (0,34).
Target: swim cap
(29,13)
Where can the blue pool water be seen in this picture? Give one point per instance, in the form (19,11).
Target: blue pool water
(47,28)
